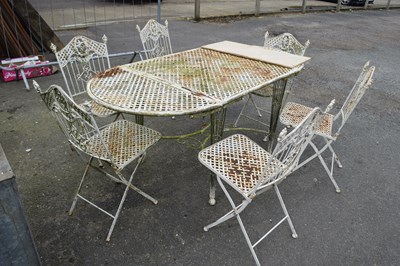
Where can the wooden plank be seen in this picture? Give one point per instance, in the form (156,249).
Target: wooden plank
(13,45)
(38,25)
(275,57)
(18,40)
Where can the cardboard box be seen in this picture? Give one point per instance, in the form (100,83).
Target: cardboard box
(15,65)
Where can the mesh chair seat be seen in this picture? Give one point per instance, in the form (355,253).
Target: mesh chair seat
(241,162)
(294,113)
(126,141)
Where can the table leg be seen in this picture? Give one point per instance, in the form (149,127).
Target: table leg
(139,119)
(277,97)
(217,120)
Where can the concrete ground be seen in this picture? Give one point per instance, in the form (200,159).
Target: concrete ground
(58,14)
(356,227)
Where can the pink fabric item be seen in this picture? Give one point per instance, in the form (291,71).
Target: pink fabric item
(10,75)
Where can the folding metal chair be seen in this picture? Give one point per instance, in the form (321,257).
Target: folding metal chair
(79,60)
(250,170)
(118,144)
(155,39)
(293,113)
(284,42)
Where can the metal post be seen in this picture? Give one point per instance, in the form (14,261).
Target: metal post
(257,13)
(159,11)
(197,10)
(339,5)
(388,4)
(303,8)
(366,4)
(278,92)
(139,119)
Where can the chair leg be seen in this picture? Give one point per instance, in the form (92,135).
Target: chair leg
(258,109)
(249,99)
(141,192)
(312,157)
(278,193)
(334,154)
(246,236)
(241,112)
(329,172)
(265,139)
(235,209)
(83,158)
(129,184)
(255,105)
(79,187)
(288,91)
(100,163)
(120,179)
(306,161)
(119,209)
(224,218)
(118,115)
(235,212)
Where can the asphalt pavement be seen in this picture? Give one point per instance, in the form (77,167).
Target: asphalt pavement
(359,226)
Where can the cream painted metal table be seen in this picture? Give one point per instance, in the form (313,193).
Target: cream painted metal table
(189,82)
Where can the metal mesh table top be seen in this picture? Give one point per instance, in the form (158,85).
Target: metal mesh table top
(188,82)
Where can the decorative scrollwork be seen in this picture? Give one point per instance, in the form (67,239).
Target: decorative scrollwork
(74,122)
(362,84)
(285,42)
(155,39)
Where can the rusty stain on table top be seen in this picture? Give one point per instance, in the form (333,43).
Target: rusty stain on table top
(183,83)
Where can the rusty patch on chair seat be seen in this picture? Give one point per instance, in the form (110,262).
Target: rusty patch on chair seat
(295,114)
(243,166)
(110,73)
(325,122)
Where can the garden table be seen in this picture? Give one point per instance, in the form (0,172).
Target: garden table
(201,80)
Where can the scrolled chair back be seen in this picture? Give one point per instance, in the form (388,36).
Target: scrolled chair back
(155,39)
(286,42)
(80,60)
(289,148)
(77,124)
(363,82)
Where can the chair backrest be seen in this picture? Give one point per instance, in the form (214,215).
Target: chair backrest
(289,148)
(285,42)
(155,39)
(79,60)
(363,82)
(288,43)
(77,124)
